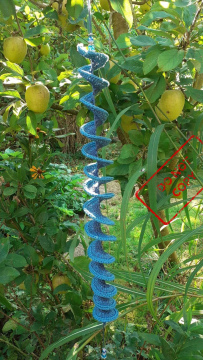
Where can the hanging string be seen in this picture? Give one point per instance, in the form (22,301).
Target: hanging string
(89,27)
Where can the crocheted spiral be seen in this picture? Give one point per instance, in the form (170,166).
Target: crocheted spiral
(104,309)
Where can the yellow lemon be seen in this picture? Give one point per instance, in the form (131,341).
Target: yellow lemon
(55,6)
(45,49)
(145,7)
(171,104)
(116,78)
(128,124)
(60,280)
(105,5)
(37,98)
(15,49)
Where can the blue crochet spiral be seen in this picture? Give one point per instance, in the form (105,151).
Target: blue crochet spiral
(104,309)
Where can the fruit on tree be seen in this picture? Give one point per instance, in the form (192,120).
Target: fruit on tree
(128,124)
(37,98)
(55,6)
(105,5)
(145,7)
(60,280)
(171,104)
(15,49)
(45,49)
(116,78)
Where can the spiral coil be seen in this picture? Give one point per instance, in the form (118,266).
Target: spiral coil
(104,309)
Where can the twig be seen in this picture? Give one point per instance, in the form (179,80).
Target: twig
(188,33)
(98,29)
(139,2)
(17,349)
(38,4)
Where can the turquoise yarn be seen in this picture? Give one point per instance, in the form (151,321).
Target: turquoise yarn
(105,306)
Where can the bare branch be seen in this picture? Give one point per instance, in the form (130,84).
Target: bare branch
(38,4)
(139,2)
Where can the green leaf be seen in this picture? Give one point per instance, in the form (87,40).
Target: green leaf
(170,59)
(7,8)
(124,207)
(195,94)
(117,169)
(31,122)
(16,261)
(142,40)
(37,30)
(151,61)
(21,212)
(127,151)
(167,350)
(5,302)
(46,243)
(81,116)
(31,255)
(77,59)
(4,249)
(156,89)
(124,8)
(16,69)
(123,41)
(10,325)
(74,8)
(8,274)
(152,168)
(9,191)
(154,15)
(30,188)
(163,258)
(10,94)
(75,334)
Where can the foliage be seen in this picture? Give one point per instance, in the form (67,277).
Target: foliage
(41,200)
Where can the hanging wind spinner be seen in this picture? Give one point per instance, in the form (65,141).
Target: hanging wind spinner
(105,306)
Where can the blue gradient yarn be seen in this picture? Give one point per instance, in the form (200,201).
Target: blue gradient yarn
(105,306)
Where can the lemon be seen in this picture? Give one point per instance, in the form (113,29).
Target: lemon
(145,7)
(171,103)
(45,49)
(105,5)
(15,49)
(128,124)
(60,280)
(116,78)
(37,98)
(55,6)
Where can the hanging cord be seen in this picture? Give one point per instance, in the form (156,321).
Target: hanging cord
(89,27)
(103,354)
